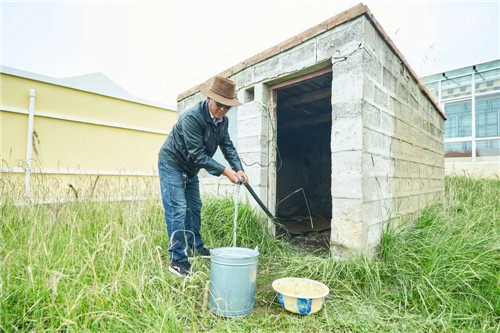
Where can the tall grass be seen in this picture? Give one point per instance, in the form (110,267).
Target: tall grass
(104,267)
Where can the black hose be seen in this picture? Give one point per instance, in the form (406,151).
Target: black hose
(261,204)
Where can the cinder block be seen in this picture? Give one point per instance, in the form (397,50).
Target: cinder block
(253,158)
(331,42)
(389,59)
(402,205)
(243,78)
(376,143)
(417,154)
(417,120)
(422,170)
(371,116)
(257,175)
(375,211)
(347,185)
(348,234)
(192,100)
(401,168)
(413,169)
(406,114)
(389,81)
(402,129)
(394,108)
(267,69)
(373,68)
(368,89)
(415,185)
(402,92)
(374,236)
(347,209)
(376,187)
(249,127)
(346,162)
(372,37)
(347,135)
(240,95)
(387,123)
(299,57)
(350,109)
(406,185)
(406,149)
(376,165)
(347,87)
(261,93)
(414,103)
(250,143)
(380,97)
(424,185)
(395,149)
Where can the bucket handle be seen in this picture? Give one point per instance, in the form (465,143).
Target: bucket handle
(170,244)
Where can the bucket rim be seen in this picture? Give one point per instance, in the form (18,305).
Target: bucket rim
(250,252)
(322,285)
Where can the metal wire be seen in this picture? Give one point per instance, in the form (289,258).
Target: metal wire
(272,139)
(305,199)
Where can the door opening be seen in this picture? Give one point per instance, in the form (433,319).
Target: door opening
(304,120)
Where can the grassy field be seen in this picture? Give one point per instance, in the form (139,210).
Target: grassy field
(104,267)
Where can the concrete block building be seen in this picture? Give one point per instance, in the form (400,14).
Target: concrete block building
(338,112)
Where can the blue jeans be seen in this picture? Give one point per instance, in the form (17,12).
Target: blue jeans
(182,203)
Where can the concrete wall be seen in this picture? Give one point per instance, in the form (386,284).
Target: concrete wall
(401,162)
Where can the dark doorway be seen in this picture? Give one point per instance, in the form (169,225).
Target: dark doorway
(304,120)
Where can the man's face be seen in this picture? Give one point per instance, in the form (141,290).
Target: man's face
(217,109)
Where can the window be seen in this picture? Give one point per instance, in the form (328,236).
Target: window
(458,150)
(459,122)
(488,150)
(487,81)
(488,116)
(462,110)
(456,87)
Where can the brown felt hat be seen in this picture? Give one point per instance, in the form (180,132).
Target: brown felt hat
(221,90)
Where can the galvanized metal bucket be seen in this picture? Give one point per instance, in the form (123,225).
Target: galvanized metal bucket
(233,277)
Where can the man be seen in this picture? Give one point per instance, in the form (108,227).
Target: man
(189,147)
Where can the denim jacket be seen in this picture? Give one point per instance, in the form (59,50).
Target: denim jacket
(194,140)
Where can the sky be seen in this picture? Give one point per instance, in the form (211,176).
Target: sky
(158,49)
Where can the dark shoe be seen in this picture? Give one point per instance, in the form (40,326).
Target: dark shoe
(204,253)
(191,253)
(180,268)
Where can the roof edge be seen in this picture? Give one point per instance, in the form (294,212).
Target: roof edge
(393,47)
(287,44)
(343,17)
(55,81)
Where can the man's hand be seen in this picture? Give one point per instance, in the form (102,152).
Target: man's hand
(231,175)
(241,174)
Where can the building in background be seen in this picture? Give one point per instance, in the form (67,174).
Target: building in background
(470,98)
(78,137)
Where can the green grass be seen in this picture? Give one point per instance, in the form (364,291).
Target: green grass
(104,267)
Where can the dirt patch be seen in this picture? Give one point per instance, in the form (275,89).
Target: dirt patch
(315,242)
